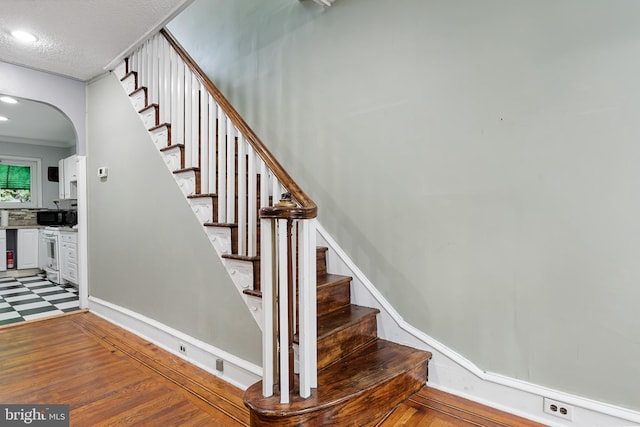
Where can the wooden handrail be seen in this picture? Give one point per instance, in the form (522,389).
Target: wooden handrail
(307,208)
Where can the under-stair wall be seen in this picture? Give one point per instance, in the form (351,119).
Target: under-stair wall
(146,271)
(228,175)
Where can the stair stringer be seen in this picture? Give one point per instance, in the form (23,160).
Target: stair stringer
(240,272)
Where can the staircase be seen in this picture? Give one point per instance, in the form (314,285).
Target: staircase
(360,376)
(356,377)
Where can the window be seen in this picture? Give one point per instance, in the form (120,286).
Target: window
(19,182)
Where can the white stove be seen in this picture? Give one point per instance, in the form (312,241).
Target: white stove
(50,237)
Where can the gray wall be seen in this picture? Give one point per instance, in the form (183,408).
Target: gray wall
(49,156)
(147,252)
(479,160)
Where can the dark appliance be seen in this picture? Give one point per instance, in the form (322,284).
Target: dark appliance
(57,218)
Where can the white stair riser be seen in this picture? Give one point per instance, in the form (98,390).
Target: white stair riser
(203,208)
(129,84)
(187,182)
(220,238)
(160,137)
(172,159)
(120,70)
(148,117)
(241,272)
(138,100)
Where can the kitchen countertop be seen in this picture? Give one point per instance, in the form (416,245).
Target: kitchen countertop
(15,227)
(18,227)
(67,229)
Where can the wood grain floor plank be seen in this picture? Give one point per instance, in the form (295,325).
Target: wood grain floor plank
(111,377)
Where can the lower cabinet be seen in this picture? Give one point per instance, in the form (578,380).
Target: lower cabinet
(28,248)
(69,256)
(3,250)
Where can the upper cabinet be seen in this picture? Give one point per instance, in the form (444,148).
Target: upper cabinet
(68,177)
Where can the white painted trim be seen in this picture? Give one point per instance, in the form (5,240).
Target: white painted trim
(453,373)
(36,181)
(237,371)
(83,242)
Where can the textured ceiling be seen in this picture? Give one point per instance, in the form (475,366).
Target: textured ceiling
(79,38)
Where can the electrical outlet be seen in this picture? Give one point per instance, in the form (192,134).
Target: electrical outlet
(558,409)
(182,347)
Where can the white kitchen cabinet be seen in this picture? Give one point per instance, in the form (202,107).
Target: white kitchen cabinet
(3,250)
(28,248)
(68,178)
(69,256)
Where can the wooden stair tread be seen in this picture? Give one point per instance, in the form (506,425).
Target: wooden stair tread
(342,318)
(220,224)
(241,257)
(324,281)
(191,169)
(201,195)
(357,374)
(172,146)
(332,280)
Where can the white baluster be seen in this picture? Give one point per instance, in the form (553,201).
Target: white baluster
(264,185)
(269,356)
(252,200)
(154,71)
(283,297)
(180,105)
(188,131)
(165,107)
(231,170)
(142,76)
(212,144)
(242,196)
(195,121)
(307,303)
(204,141)
(174,97)
(222,166)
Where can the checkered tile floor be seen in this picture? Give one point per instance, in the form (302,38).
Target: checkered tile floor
(28,298)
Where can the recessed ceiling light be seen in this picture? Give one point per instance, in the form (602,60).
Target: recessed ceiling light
(3,119)
(8,100)
(24,36)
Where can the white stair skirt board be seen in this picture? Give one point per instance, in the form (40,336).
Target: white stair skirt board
(451,372)
(237,371)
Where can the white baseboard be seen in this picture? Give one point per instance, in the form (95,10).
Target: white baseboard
(236,371)
(451,372)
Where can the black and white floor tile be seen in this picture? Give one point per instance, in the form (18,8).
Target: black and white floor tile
(33,297)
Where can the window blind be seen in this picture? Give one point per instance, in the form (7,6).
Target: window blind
(15,177)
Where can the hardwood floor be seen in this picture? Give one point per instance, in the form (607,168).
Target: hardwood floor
(110,377)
